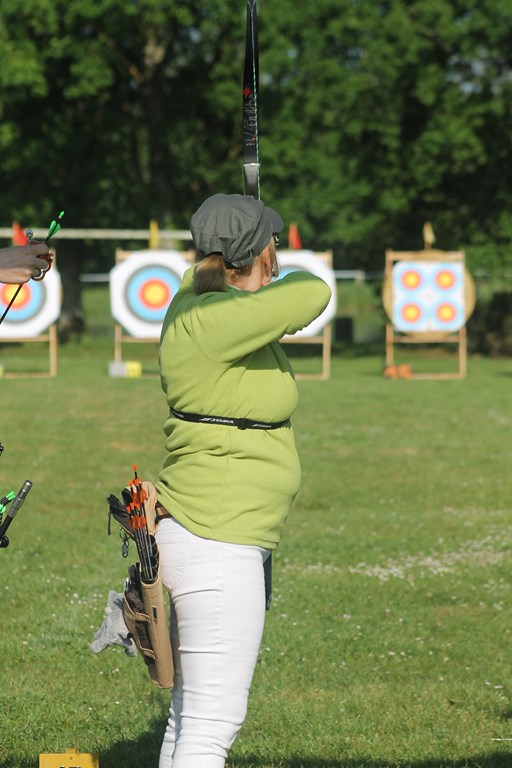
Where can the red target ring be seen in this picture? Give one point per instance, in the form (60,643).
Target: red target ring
(34,309)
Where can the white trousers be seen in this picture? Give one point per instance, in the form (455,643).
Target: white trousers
(217,615)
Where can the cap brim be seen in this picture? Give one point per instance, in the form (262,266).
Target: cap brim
(277,222)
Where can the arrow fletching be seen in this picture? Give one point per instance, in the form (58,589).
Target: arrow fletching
(54,227)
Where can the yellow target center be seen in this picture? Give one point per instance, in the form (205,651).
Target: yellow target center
(155,294)
(411,279)
(445,279)
(411,313)
(446,313)
(8,291)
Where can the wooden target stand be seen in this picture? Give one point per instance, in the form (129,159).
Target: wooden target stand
(459,337)
(50,337)
(324,339)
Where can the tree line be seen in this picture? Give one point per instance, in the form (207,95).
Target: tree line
(375,116)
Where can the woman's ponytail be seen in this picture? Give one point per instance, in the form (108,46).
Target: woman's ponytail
(210,274)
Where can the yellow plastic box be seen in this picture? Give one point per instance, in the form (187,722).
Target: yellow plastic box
(71,758)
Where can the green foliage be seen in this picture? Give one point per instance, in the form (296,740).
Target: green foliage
(374,117)
(490,328)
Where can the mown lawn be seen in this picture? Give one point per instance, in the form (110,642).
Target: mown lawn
(389,640)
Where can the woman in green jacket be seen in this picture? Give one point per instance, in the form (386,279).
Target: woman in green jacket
(231,470)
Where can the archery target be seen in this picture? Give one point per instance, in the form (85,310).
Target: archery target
(428,296)
(306,261)
(141,288)
(35,308)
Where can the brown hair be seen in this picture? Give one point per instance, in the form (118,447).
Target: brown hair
(210,274)
(274,263)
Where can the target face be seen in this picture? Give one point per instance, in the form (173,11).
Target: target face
(428,296)
(141,288)
(306,261)
(35,308)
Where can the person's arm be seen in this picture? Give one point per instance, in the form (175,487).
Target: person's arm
(19,263)
(230,325)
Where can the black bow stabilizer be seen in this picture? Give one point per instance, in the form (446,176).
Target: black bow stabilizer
(251,166)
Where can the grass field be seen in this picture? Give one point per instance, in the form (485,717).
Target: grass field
(389,640)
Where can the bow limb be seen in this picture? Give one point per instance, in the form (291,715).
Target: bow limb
(251,165)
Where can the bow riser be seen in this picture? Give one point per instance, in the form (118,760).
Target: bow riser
(251,166)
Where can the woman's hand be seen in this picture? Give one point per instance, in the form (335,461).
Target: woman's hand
(20,263)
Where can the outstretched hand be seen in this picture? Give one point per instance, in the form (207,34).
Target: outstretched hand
(20,263)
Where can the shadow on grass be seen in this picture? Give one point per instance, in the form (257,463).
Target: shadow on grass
(145,751)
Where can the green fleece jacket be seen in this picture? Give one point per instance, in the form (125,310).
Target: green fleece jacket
(220,356)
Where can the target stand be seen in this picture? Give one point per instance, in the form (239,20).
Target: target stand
(428,296)
(32,319)
(142,285)
(319,331)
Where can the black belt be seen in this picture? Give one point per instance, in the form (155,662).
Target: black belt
(227,421)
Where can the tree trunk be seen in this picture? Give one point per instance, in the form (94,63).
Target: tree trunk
(70,257)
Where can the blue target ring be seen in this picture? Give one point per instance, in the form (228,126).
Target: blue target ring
(149,291)
(35,308)
(428,296)
(142,286)
(28,303)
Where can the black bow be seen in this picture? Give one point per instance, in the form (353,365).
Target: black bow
(251,166)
